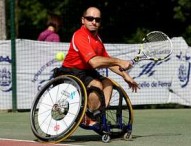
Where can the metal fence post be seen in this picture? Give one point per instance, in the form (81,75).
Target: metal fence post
(13,56)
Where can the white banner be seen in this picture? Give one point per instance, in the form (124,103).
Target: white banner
(160,82)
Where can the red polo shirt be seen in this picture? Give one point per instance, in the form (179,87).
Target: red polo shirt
(83,47)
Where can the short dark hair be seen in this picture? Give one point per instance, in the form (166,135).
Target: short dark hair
(55,21)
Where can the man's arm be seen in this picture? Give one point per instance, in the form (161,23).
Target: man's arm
(132,84)
(106,62)
(114,64)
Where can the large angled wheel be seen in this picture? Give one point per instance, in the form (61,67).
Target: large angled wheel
(58,109)
(119,114)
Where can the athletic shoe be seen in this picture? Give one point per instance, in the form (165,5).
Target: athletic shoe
(86,121)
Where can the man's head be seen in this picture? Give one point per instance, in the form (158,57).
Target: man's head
(91,19)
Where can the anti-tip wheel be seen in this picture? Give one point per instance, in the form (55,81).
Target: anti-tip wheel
(127,136)
(106,138)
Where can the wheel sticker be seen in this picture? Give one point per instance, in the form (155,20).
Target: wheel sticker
(56,127)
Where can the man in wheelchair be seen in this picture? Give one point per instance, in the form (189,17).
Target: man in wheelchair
(87,53)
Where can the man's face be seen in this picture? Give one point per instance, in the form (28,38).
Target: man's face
(92,19)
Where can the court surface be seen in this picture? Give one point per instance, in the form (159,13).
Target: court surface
(152,127)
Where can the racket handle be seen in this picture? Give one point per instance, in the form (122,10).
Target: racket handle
(132,62)
(121,69)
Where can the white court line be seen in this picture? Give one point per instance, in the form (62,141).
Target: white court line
(30,141)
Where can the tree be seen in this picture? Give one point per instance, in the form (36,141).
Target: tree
(183,15)
(123,21)
(31,15)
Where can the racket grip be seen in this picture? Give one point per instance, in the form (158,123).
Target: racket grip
(132,62)
(121,69)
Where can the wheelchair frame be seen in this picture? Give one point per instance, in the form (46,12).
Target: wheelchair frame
(59,107)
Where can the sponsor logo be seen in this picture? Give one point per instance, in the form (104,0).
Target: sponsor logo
(184,69)
(5,74)
(36,77)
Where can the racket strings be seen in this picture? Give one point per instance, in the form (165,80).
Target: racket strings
(157,45)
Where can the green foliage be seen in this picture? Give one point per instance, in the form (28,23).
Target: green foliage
(137,36)
(183,14)
(32,10)
(182,10)
(187,35)
(123,21)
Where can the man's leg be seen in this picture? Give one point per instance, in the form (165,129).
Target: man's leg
(94,102)
(107,90)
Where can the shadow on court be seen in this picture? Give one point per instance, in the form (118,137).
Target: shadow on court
(84,138)
(155,135)
(87,138)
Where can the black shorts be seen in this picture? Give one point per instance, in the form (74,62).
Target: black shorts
(86,76)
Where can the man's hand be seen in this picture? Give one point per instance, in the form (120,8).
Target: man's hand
(132,84)
(125,65)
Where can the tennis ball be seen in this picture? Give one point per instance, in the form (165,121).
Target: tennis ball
(60,56)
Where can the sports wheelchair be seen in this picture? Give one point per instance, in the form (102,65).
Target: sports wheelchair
(59,108)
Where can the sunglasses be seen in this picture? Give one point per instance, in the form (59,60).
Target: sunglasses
(90,18)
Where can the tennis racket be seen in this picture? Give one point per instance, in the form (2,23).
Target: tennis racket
(156,46)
